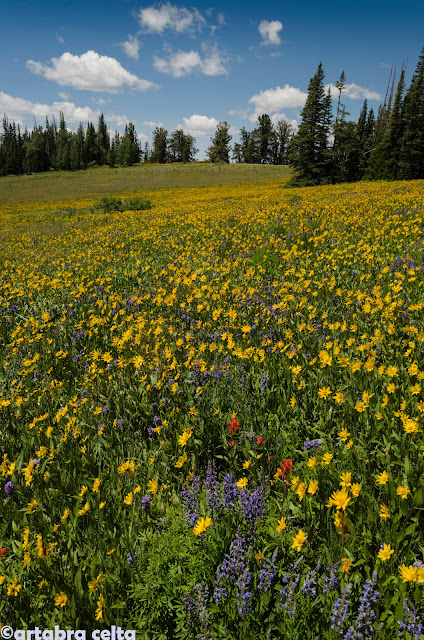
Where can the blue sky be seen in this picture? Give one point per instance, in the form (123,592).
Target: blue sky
(192,65)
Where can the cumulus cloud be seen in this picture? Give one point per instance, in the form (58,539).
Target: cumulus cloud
(178,64)
(171,17)
(197,125)
(21,110)
(131,47)
(269,30)
(183,63)
(272,100)
(91,72)
(354,92)
(152,124)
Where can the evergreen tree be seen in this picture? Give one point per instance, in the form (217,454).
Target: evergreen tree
(63,147)
(385,157)
(310,146)
(283,135)
(247,146)
(181,147)
(77,149)
(50,135)
(160,145)
(237,154)
(91,151)
(346,147)
(133,145)
(265,135)
(103,140)
(411,159)
(220,147)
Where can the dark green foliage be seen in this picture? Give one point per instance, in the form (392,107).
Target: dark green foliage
(61,149)
(181,147)
(160,145)
(412,144)
(220,147)
(310,151)
(110,204)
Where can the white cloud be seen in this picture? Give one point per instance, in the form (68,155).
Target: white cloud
(131,47)
(354,92)
(171,17)
(269,31)
(272,100)
(214,63)
(152,124)
(178,64)
(64,95)
(183,63)
(59,38)
(91,72)
(20,110)
(239,113)
(197,125)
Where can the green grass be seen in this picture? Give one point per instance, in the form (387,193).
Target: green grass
(100,181)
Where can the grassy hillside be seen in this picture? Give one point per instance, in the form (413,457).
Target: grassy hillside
(63,185)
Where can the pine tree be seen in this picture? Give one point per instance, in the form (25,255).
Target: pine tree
(103,140)
(62,145)
(310,146)
(346,147)
(160,145)
(265,133)
(384,160)
(284,134)
(219,151)
(91,151)
(411,161)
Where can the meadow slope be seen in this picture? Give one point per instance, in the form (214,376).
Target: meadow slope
(212,410)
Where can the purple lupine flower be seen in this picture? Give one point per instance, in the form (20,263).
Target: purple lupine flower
(412,624)
(244,596)
(230,492)
(131,559)
(101,426)
(105,410)
(253,506)
(341,610)
(213,500)
(309,589)
(189,606)
(290,581)
(36,462)
(145,502)
(232,566)
(311,444)
(267,573)
(363,625)
(191,504)
(331,581)
(9,487)
(156,420)
(201,592)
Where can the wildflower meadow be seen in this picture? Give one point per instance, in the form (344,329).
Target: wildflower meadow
(211,413)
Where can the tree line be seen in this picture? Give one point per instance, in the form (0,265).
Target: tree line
(325,149)
(56,147)
(386,145)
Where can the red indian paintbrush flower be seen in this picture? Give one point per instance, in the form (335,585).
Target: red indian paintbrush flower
(233,426)
(286,467)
